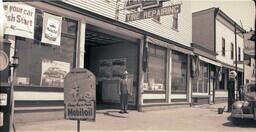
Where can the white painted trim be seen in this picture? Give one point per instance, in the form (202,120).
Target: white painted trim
(210,61)
(200,94)
(189,80)
(178,96)
(39,108)
(221,93)
(81,44)
(153,96)
(44,96)
(121,32)
(170,76)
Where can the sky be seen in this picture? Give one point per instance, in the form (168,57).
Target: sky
(243,10)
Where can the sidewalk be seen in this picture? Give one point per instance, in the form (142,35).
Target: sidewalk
(195,118)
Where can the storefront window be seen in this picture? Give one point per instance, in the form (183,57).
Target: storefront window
(44,64)
(155,76)
(201,84)
(179,73)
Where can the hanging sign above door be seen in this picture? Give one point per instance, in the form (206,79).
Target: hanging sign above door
(149,9)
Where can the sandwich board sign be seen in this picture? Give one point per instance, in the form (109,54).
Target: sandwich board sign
(80,95)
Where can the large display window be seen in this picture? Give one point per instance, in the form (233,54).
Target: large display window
(46,64)
(201,84)
(179,73)
(155,77)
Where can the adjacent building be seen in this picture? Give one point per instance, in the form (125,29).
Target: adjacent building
(215,32)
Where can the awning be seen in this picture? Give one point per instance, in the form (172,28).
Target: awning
(169,46)
(210,61)
(232,67)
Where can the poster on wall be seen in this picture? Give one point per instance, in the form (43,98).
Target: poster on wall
(111,69)
(51,29)
(54,72)
(118,68)
(19,19)
(105,69)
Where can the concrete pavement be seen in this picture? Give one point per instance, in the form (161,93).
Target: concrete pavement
(195,118)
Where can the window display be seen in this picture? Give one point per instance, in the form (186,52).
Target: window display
(201,84)
(155,77)
(43,64)
(179,73)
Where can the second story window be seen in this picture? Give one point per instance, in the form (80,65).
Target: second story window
(223,47)
(232,51)
(175,21)
(239,54)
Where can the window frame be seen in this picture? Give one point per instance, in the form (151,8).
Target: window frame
(36,41)
(223,47)
(232,51)
(201,79)
(147,76)
(184,61)
(239,54)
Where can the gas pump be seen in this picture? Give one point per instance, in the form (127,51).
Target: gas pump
(4,108)
(5,91)
(231,89)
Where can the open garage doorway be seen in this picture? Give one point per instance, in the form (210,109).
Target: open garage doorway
(107,55)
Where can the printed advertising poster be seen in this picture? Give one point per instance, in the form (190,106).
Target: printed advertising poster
(53,73)
(110,69)
(80,95)
(19,19)
(51,29)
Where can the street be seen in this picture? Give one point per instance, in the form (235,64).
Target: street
(195,118)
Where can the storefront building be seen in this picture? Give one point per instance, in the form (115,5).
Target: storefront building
(68,34)
(166,78)
(215,31)
(204,75)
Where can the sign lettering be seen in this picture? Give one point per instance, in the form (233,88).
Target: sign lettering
(163,11)
(79,95)
(20,19)
(3,99)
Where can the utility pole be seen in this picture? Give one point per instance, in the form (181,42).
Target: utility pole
(236,83)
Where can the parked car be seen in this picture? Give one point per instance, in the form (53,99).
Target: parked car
(245,109)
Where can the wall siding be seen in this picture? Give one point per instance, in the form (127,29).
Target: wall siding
(107,8)
(203,29)
(223,31)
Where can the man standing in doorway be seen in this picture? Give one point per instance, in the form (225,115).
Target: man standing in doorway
(123,92)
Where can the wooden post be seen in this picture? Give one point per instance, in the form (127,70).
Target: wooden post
(78,125)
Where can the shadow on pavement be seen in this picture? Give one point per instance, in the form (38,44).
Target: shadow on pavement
(246,123)
(114,114)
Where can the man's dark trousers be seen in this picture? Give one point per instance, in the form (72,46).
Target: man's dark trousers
(124,101)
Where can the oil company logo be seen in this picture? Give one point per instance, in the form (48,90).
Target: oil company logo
(80,95)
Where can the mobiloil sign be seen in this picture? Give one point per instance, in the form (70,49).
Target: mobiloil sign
(79,95)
